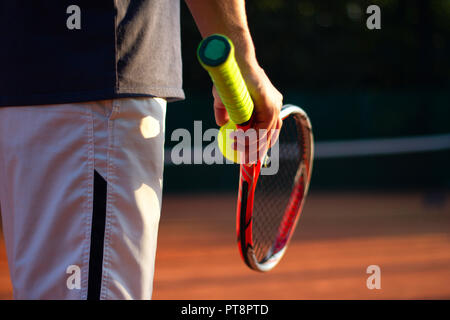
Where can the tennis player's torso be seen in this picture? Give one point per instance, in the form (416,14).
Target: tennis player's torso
(57,51)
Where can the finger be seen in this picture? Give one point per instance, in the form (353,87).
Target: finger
(220,112)
(266,130)
(250,141)
(276,132)
(248,145)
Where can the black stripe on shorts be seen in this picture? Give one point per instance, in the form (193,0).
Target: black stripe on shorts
(97,238)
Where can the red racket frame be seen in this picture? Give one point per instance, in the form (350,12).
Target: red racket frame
(249,175)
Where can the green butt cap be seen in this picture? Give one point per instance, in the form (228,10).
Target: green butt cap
(214,50)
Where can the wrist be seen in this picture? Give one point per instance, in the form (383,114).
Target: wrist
(244,50)
(249,67)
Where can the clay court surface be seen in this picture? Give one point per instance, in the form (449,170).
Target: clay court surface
(339,236)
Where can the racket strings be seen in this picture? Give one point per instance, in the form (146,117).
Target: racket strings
(273,192)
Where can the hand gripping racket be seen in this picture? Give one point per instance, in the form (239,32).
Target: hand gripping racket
(268,205)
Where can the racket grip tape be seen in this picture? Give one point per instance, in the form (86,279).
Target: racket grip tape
(216,55)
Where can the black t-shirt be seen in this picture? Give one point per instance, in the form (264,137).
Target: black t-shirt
(59,51)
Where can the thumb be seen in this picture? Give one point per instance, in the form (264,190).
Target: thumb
(220,112)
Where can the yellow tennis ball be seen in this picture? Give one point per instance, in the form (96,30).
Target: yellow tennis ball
(225,142)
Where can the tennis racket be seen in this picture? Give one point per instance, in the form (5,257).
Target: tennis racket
(268,205)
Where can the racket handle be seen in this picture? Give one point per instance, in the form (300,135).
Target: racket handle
(216,55)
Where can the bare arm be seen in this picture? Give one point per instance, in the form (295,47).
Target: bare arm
(229,17)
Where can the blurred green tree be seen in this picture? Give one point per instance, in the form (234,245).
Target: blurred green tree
(325,44)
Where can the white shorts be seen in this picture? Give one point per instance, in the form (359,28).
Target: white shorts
(80,196)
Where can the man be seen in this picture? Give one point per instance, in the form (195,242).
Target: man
(83,91)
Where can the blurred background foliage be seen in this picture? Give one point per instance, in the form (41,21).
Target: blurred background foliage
(325,44)
(353,82)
